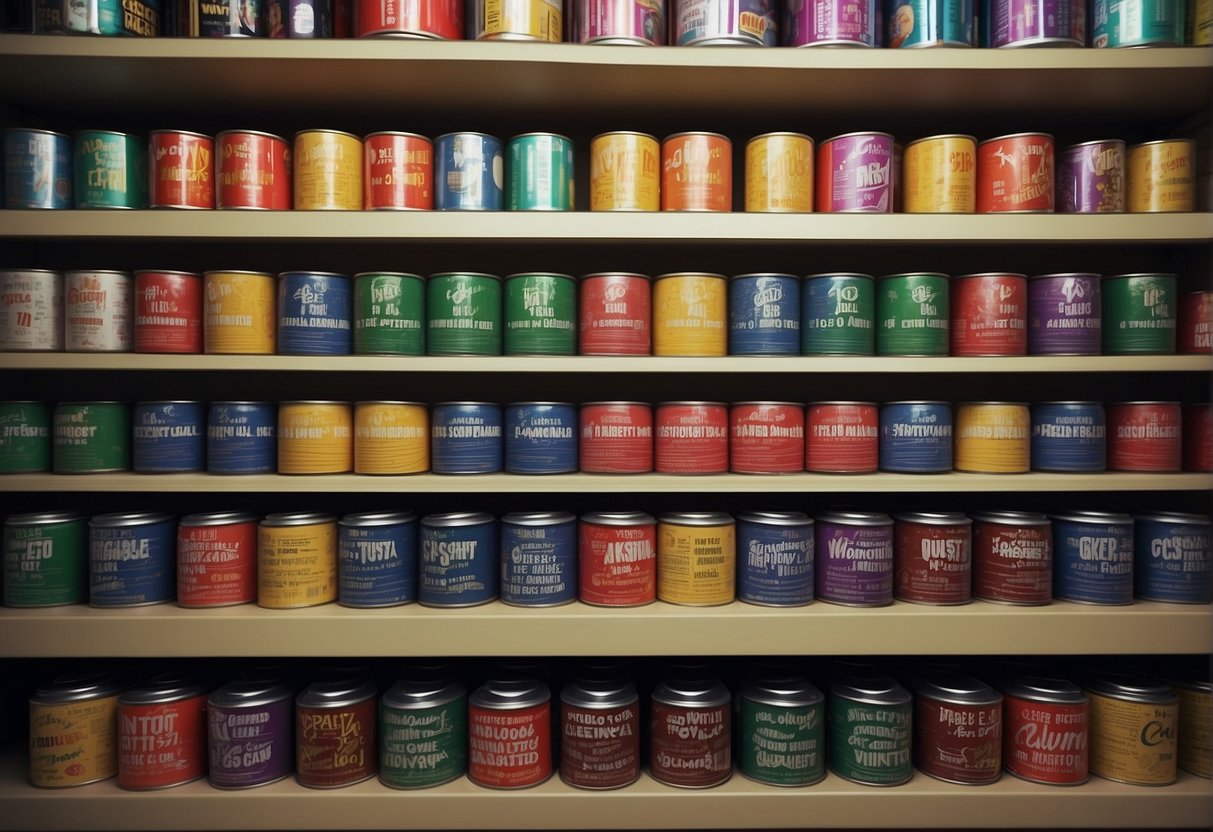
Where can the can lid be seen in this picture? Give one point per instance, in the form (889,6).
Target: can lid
(1043,689)
(779,133)
(599,693)
(625,133)
(314,401)
(387,401)
(190,133)
(538,518)
(396,133)
(863,133)
(104,132)
(159,402)
(913,274)
(467,133)
(467,404)
(785,692)
(848,275)
(614,404)
(169,272)
(457,518)
(222,133)
(1007,518)
(855,518)
(1067,403)
(941,136)
(368,519)
(711,275)
(309,273)
(249,693)
(1095,143)
(1019,136)
(218,518)
(1139,274)
(691,692)
(696,518)
(692,404)
(1165,141)
(298,518)
(540,404)
(1122,404)
(35,130)
(118,272)
(987,404)
(873,690)
(1174,517)
(410,694)
(915,401)
(540,274)
(1193,679)
(616,274)
(764,274)
(59,405)
(776,518)
(934,518)
(336,693)
(619,518)
(77,688)
(696,133)
(959,690)
(1105,517)
(850,404)
(991,274)
(510,694)
(390,274)
(165,687)
(325,130)
(1132,688)
(129,518)
(43,518)
(238,271)
(437,275)
(767,404)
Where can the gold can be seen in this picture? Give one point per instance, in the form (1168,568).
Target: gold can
(315,437)
(939,174)
(296,560)
(779,173)
(992,438)
(1162,177)
(625,172)
(328,171)
(1133,724)
(535,20)
(689,316)
(1199,22)
(73,731)
(1196,727)
(696,558)
(239,313)
(391,438)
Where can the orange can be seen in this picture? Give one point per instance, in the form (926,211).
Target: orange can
(779,173)
(1015,174)
(625,172)
(391,438)
(689,314)
(939,175)
(328,171)
(315,437)
(696,172)
(239,313)
(1162,177)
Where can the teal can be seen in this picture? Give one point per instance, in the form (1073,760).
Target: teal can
(540,314)
(25,438)
(389,313)
(837,315)
(1123,23)
(539,173)
(869,718)
(1139,314)
(110,170)
(91,437)
(781,732)
(463,314)
(924,23)
(45,559)
(912,314)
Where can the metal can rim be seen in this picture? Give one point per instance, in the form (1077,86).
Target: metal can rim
(798,692)
(1094,142)
(857,404)
(510,694)
(238,271)
(336,694)
(854,518)
(153,693)
(386,401)
(123,519)
(410,695)
(1000,404)
(1028,135)
(915,401)
(105,132)
(312,401)
(51,272)
(327,132)
(119,272)
(160,131)
(696,518)
(1034,688)
(1050,404)
(282,275)
(1095,275)
(1132,689)
(540,404)
(624,133)
(621,519)
(707,133)
(913,274)
(1163,141)
(389,274)
(250,133)
(767,404)
(467,133)
(1119,404)
(933,518)
(170,272)
(457,519)
(1106,517)
(1175,517)
(1007,517)
(775,518)
(43,518)
(872,690)
(266,404)
(438,275)
(1171,275)
(858,133)
(560,275)
(764,274)
(369,519)
(860,275)
(297,518)
(692,404)
(540,133)
(168,401)
(793,134)
(76,689)
(216,518)
(595,694)
(959,690)
(538,518)
(990,274)
(600,404)
(397,133)
(38,130)
(691,693)
(616,274)
(710,275)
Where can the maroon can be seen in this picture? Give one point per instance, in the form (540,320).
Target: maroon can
(1195,334)
(1013,557)
(1015,174)
(616,314)
(180,170)
(691,438)
(1145,436)
(766,438)
(990,314)
(168,312)
(958,730)
(843,438)
(600,734)
(510,734)
(416,19)
(1091,178)
(253,171)
(690,733)
(398,172)
(335,734)
(932,557)
(1198,437)
(1045,730)
(616,438)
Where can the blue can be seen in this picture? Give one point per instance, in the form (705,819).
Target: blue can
(538,558)
(377,559)
(38,169)
(1068,436)
(314,314)
(470,174)
(169,437)
(465,438)
(1093,557)
(541,438)
(459,559)
(916,437)
(132,558)
(1171,558)
(775,558)
(764,314)
(918,23)
(241,438)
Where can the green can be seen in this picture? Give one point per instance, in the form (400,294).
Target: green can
(25,437)
(463,314)
(389,314)
(837,314)
(91,437)
(45,559)
(1139,314)
(540,314)
(912,314)
(539,173)
(869,720)
(781,732)
(111,170)
(422,734)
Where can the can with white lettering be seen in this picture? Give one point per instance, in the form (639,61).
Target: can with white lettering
(423,733)
(540,438)
(1012,557)
(1068,436)
(459,559)
(250,730)
(600,733)
(510,734)
(466,438)
(617,559)
(32,315)
(168,437)
(1093,557)
(958,730)
(538,558)
(854,552)
(932,557)
(781,731)
(869,733)
(775,558)
(690,732)
(1045,730)
(162,733)
(131,559)
(1171,558)
(241,438)
(377,559)
(217,559)
(916,437)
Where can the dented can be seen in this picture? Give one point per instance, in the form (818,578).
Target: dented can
(775,555)
(398,168)
(1145,436)
(600,734)
(625,172)
(1133,724)
(766,438)
(958,730)
(1093,557)
(696,171)
(335,734)
(616,438)
(696,558)
(690,760)
(854,173)
(1065,314)
(513,714)
(180,169)
(779,173)
(939,173)
(162,733)
(1045,731)
(217,559)
(1013,557)
(691,438)
(253,171)
(1015,172)
(1091,178)
(615,314)
(989,314)
(932,557)
(250,731)
(617,559)
(1162,176)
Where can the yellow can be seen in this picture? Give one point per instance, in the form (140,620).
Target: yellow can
(696,558)
(328,171)
(625,172)
(315,438)
(1199,23)
(779,173)
(1196,727)
(1133,724)
(536,20)
(73,732)
(689,314)
(296,560)
(939,175)
(239,313)
(391,438)
(1162,177)
(992,438)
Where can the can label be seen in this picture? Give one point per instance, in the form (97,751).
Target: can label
(1120,23)
(933,562)
(1046,742)
(779,173)
(315,438)
(691,746)
(1068,436)
(838,315)
(1195,734)
(540,20)
(239,313)
(1161,177)
(539,173)
(990,315)
(539,564)
(398,169)
(463,315)
(1144,437)
(1172,561)
(1015,173)
(1133,742)
(314,314)
(776,563)
(421,747)
(228,18)
(91,437)
(328,171)
(250,746)
(1195,325)
(540,315)
(1064,315)
(98,312)
(297,565)
(1026,22)
(764,315)
(429,18)
(746,22)
(459,565)
(1012,562)
(254,171)
(618,21)
(692,438)
(992,438)
(37,170)
(1198,24)
(391,438)
(377,565)
(929,23)
(161,745)
(617,565)
(509,749)
(131,565)
(541,438)
(1091,178)
(1197,437)
(31,311)
(1139,314)
(831,23)
(696,565)
(45,564)
(181,165)
(389,314)
(940,173)
(696,172)
(335,746)
(616,315)
(110,170)
(168,312)
(766,438)
(781,745)
(466,439)
(625,172)
(25,438)
(470,170)
(1093,561)
(843,438)
(916,437)
(958,743)
(240,438)
(870,743)
(855,172)
(168,437)
(913,314)
(217,564)
(73,743)
(600,747)
(616,438)
(689,315)
(854,564)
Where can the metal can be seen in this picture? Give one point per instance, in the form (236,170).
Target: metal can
(91,437)
(1045,731)
(831,23)
(73,731)
(958,730)
(1065,314)
(1013,557)
(689,312)
(838,314)
(539,172)
(870,736)
(1133,722)
(466,438)
(110,170)
(168,312)
(315,437)
(939,172)
(620,22)
(423,733)
(45,559)
(217,559)
(377,559)
(180,168)
(696,170)
(25,438)
(764,314)
(460,559)
(328,171)
(1125,23)
(315,310)
(391,438)
(1139,313)
(516,20)
(540,314)
(690,759)
(162,733)
(625,172)
(927,23)
(854,558)
(1069,436)
(389,314)
(1091,178)
(716,23)
(470,170)
(31,315)
(239,313)
(696,558)
(538,558)
(37,169)
(240,438)
(989,314)
(1195,725)
(439,19)
(1197,432)
(541,438)
(250,731)
(98,312)
(916,437)
(131,559)
(1018,23)
(616,314)
(779,173)
(1194,325)
(1093,557)
(691,438)
(600,734)
(842,437)
(304,19)
(1198,23)
(1171,558)
(1015,172)
(913,313)
(766,438)
(617,559)
(510,734)
(1145,436)
(168,437)
(616,438)
(854,173)
(993,437)
(296,560)
(1162,176)
(781,731)
(253,170)
(933,557)
(335,734)
(775,555)
(398,168)
(231,18)
(463,312)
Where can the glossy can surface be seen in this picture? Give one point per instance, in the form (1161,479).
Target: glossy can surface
(1091,178)
(781,732)
(689,315)
(854,558)
(1195,726)
(764,314)
(690,759)
(958,730)
(31,315)
(241,438)
(250,730)
(779,173)
(517,20)
(73,731)
(217,559)
(775,555)
(91,437)
(1015,172)
(617,559)
(696,171)
(391,438)
(389,314)
(110,170)
(1139,314)
(328,171)
(1093,557)
(510,734)
(1069,436)
(1133,723)
(540,314)
(912,314)
(1171,558)
(1162,176)
(37,169)
(460,560)
(442,19)
(1045,731)
(1018,23)
(869,731)
(466,438)
(1195,323)
(25,438)
(927,23)
(377,563)
(720,23)
(691,438)
(315,311)
(168,312)
(296,560)
(916,437)
(97,313)
(989,314)
(169,437)
(696,558)
(315,437)
(616,438)
(463,314)
(1065,314)
(766,438)
(538,558)
(1126,23)
(541,438)
(616,314)
(422,733)
(933,558)
(600,734)
(397,168)
(1013,558)
(939,173)
(855,172)
(181,168)
(162,734)
(335,734)
(838,315)
(45,559)
(253,171)
(1145,436)
(831,23)
(469,171)
(614,22)
(842,437)
(625,172)
(993,437)
(1198,437)
(131,559)
(539,173)
(239,317)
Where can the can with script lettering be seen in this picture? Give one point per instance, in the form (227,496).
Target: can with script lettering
(916,437)
(25,438)
(466,438)
(423,733)
(1139,314)
(616,314)
(600,733)
(389,313)
(540,314)
(617,559)
(239,313)
(715,23)
(1069,436)
(391,438)
(1171,558)
(689,314)
(335,733)
(463,314)
(180,169)
(168,437)
(838,314)
(1133,723)
(1020,23)
(429,19)
(541,438)
(912,314)
(315,310)
(1145,436)
(1129,23)
(513,714)
(625,172)
(616,438)
(168,312)
(939,173)
(377,559)
(296,560)
(110,170)
(691,438)
(315,437)
(831,23)
(1045,730)
(1194,325)
(779,173)
(469,172)
(397,170)
(131,559)
(869,730)
(97,314)
(957,730)
(696,558)
(1093,557)
(32,315)
(460,559)
(73,731)
(217,559)
(538,558)
(1162,176)
(989,314)
(690,759)
(1015,172)
(250,732)
(253,171)
(993,437)
(45,559)
(539,172)
(1091,178)
(842,437)
(764,314)
(781,731)
(1065,314)
(91,437)
(1197,437)
(328,171)
(766,438)
(620,22)
(854,558)
(775,558)
(37,169)
(696,172)
(240,438)
(162,733)
(855,173)
(1013,557)
(1195,726)
(933,557)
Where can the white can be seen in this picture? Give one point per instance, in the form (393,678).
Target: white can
(31,310)
(98,311)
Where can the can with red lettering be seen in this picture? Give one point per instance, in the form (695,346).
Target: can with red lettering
(1045,730)
(932,557)
(617,559)
(989,314)
(1195,325)
(510,734)
(616,314)
(217,559)
(843,438)
(691,438)
(1198,437)
(168,312)
(766,438)
(958,730)
(162,733)
(600,734)
(398,172)
(616,438)
(335,733)
(253,171)
(420,20)
(1015,174)
(1144,436)
(1013,557)
(180,167)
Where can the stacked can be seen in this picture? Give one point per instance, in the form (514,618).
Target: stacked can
(74,731)
(932,557)
(377,565)
(993,437)
(328,171)
(239,313)
(91,437)
(702,23)
(696,558)
(1068,436)
(389,314)
(539,172)
(781,731)
(616,438)
(916,437)
(162,733)
(842,437)
(460,559)
(690,759)
(1093,557)
(335,736)
(1045,730)
(398,171)
(241,438)
(540,438)
(1195,323)
(469,172)
(296,560)
(1012,557)
(315,310)
(766,438)
(169,437)
(253,171)
(97,311)
(217,559)
(939,172)
(1133,721)
(315,437)
(1091,178)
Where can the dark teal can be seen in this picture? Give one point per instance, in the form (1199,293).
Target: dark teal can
(838,314)
(781,731)
(465,438)
(132,559)
(920,23)
(110,170)
(315,311)
(1171,558)
(869,725)
(377,559)
(169,437)
(764,314)
(539,172)
(1069,436)
(241,438)
(459,559)
(541,438)
(538,558)
(1124,23)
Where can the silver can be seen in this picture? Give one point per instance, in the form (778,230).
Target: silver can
(98,311)
(620,22)
(32,315)
(724,23)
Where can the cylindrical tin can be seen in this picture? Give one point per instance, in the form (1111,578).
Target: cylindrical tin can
(779,173)
(1015,172)
(217,559)
(91,437)
(180,169)
(696,558)
(240,438)
(838,315)
(239,313)
(764,314)
(696,170)
(1133,722)
(162,733)
(463,314)
(854,558)
(690,733)
(854,171)
(713,23)
(625,172)
(781,731)
(1139,314)
(466,438)
(1145,436)
(422,733)
(391,438)
(1013,557)
(870,732)
(539,172)
(37,169)
(620,22)
(168,312)
(540,314)
(1045,730)
(389,314)
(993,437)
(616,315)
(441,19)
(45,559)
(25,438)
(469,171)
(1091,178)
(926,23)
(617,559)
(131,559)
(616,438)
(766,438)
(916,437)
(250,728)
(510,734)
(541,438)
(958,730)
(232,19)
(1018,23)
(459,559)
(538,558)
(296,560)
(1162,176)
(335,736)
(691,438)
(1171,558)
(398,168)
(831,23)
(110,170)
(1093,557)
(377,563)
(1064,314)
(1195,726)
(315,310)
(600,734)
(912,313)
(315,437)
(97,314)
(328,171)
(1125,23)
(933,557)
(842,437)
(73,731)
(31,316)
(1194,325)
(989,314)
(169,437)
(516,20)
(1198,23)
(253,170)
(689,314)
(939,172)
(1069,436)
(1197,432)
(775,558)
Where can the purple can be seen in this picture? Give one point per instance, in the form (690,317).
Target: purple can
(829,23)
(1064,314)
(855,173)
(622,22)
(854,563)
(1035,22)
(1091,178)
(250,733)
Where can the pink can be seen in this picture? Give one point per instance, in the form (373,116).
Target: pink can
(616,438)
(622,22)
(830,23)
(692,438)
(855,174)
(844,438)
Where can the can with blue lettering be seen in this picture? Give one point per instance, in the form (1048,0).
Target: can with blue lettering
(1171,558)
(538,558)
(459,559)
(764,314)
(539,172)
(241,438)
(315,310)
(37,169)
(470,172)
(168,437)
(916,437)
(377,559)
(132,559)
(1093,557)
(775,558)
(540,438)
(1068,436)
(465,438)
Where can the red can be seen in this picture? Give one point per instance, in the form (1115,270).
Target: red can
(1195,322)
(1013,557)
(1145,436)
(690,733)
(1015,174)
(1198,437)
(932,558)
(162,738)
(989,314)
(958,730)
(343,19)
(217,559)
(398,172)
(253,171)
(168,312)
(844,438)
(692,438)
(616,438)
(616,314)
(617,559)
(510,734)
(766,438)
(180,169)
(1045,730)
(335,733)
(600,734)
(420,19)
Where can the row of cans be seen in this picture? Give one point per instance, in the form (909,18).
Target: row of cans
(629,171)
(612,559)
(607,313)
